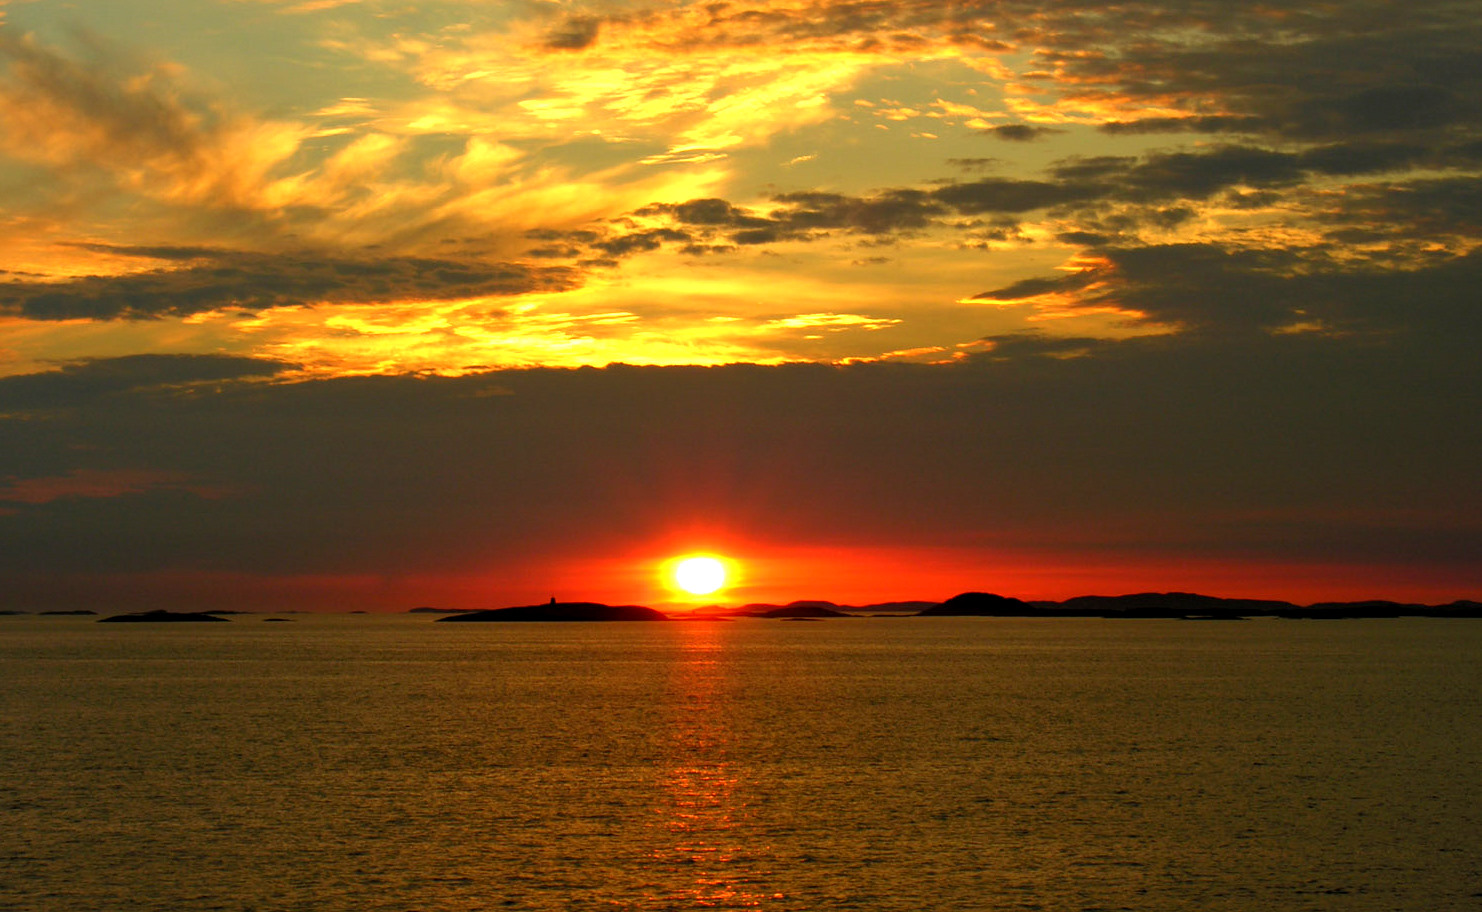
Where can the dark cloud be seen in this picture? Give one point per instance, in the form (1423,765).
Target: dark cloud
(707,213)
(1029,288)
(714,212)
(1349,159)
(1014,346)
(122,100)
(1013,196)
(1431,209)
(1208,289)
(810,215)
(1106,201)
(87,381)
(213,279)
(716,225)
(1288,448)
(1199,175)
(1382,109)
(1301,72)
(1020,132)
(153,253)
(1290,70)
(574,34)
(884,213)
(1209,123)
(641,241)
(1178,175)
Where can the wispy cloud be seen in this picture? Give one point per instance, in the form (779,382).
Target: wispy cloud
(133,122)
(543,152)
(92,484)
(199,280)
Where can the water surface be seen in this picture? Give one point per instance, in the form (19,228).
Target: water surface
(389,763)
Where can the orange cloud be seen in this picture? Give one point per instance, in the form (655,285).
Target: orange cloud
(134,125)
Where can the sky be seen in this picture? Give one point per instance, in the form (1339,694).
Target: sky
(368,304)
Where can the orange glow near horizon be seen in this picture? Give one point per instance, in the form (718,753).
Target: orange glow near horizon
(758,574)
(769,574)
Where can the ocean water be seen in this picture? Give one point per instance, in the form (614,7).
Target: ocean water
(389,763)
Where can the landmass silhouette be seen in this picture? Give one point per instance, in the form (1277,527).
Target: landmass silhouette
(1145,605)
(801,611)
(561,611)
(160,616)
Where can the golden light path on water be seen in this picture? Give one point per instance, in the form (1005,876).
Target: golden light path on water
(702,791)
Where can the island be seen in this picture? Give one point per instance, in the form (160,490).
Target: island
(560,611)
(797,611)
(979,604)
(1186,606)
(160,616)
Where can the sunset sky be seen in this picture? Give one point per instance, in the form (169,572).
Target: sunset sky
(370,304)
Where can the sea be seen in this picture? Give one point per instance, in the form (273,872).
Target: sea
(387,762)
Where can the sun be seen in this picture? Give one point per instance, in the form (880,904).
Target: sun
(699,575)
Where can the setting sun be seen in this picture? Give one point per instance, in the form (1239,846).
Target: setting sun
(699,575)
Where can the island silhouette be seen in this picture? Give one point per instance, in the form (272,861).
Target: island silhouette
(561,611)
(1144,605)
(160,616)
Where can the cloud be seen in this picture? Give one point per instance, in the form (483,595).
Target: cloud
(549,149)
(1208,123)
(1211,289)
(1262,447)
(574,34)
(1026,289)
(134,122)
(202,279)
(1020,132)
(1437,209)
(1355,70)
(1156,178)
(886,212)
(110,129)
(91,380)
(96,484)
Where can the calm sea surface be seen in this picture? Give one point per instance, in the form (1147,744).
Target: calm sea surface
(389,763)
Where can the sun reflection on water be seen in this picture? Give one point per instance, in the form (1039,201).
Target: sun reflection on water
(702,800)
